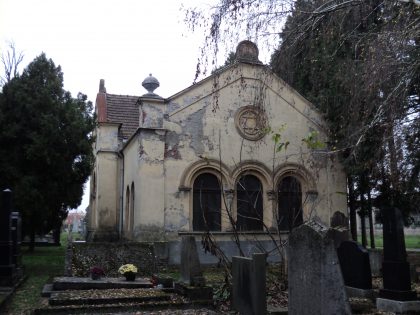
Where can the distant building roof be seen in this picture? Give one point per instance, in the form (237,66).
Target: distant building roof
(74,216)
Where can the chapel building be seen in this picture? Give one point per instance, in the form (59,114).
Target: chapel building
(238,152)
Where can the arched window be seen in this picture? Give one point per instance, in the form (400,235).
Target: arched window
(127,209)
(131,215)
(206,203)
(290,203)
(249,203)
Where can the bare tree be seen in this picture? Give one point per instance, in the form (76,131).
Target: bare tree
(11,59)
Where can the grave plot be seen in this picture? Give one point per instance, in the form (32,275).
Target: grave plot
(85,296)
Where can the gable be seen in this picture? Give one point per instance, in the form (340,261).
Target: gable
(244,85)
(218,101)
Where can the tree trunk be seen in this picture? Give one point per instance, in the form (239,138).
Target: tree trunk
(32,239)
(362,211)
(56,234)
(352,209)
(371,229)
(393,164)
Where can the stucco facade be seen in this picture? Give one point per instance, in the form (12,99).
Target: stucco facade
(151,155)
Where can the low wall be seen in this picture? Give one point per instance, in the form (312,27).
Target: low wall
(81,256)
(150,257)
(229,248)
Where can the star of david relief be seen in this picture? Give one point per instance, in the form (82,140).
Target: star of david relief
(249,122)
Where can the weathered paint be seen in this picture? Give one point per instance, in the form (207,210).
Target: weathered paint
(195,130)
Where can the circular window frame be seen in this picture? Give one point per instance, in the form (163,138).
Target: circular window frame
(240,128)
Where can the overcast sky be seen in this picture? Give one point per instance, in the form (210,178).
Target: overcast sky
(121,41)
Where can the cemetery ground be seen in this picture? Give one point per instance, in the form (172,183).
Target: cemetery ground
(45,263)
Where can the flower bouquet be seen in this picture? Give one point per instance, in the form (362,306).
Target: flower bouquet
(128,271)
(96,273)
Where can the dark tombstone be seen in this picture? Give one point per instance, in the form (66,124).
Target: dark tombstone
(339,219)
(190,267)
(395,268)
(316,285)
(7,268)
(16,227)
(248,284)
(355,265)
(339,231)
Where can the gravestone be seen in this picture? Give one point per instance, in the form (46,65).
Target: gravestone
(190,267)
(248,284)
(316,285)
(395,268)
(339,228)
(192,284)
(339,219)
(7,268)
(355,265)
(16,228)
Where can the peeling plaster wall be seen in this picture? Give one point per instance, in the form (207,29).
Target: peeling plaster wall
(151,113)
(107,137)
(105,212)
(200,126)
(143,166)
(131,176)
(151,203)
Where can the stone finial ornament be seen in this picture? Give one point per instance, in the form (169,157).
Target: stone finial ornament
(150,84)
(247,51)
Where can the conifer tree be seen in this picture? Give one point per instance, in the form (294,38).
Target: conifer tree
(364,81)
(45,145)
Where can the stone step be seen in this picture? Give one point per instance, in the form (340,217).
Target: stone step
(172,304)
(78,283)
(47,290)
(106,296)
(362,305)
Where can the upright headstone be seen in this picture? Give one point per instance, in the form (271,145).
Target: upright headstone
(339,219)
(190,267)
(355,265)
(316,285)
(395,268)
(7,268)
(248,284)
(16,228)
(339,228)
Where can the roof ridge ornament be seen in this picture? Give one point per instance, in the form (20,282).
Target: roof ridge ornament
(247,51)
(151,84)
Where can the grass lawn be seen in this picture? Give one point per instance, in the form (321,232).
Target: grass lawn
(411,241)
(40,267)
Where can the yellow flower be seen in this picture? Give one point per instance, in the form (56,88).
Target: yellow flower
(127,268)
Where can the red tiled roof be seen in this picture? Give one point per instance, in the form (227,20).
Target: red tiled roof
(123,109)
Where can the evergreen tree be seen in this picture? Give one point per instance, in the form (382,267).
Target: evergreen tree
(365,82)
(45,145)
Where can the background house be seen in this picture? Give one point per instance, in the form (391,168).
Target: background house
(75,222)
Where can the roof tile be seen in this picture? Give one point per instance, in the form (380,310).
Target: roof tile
(123,109)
